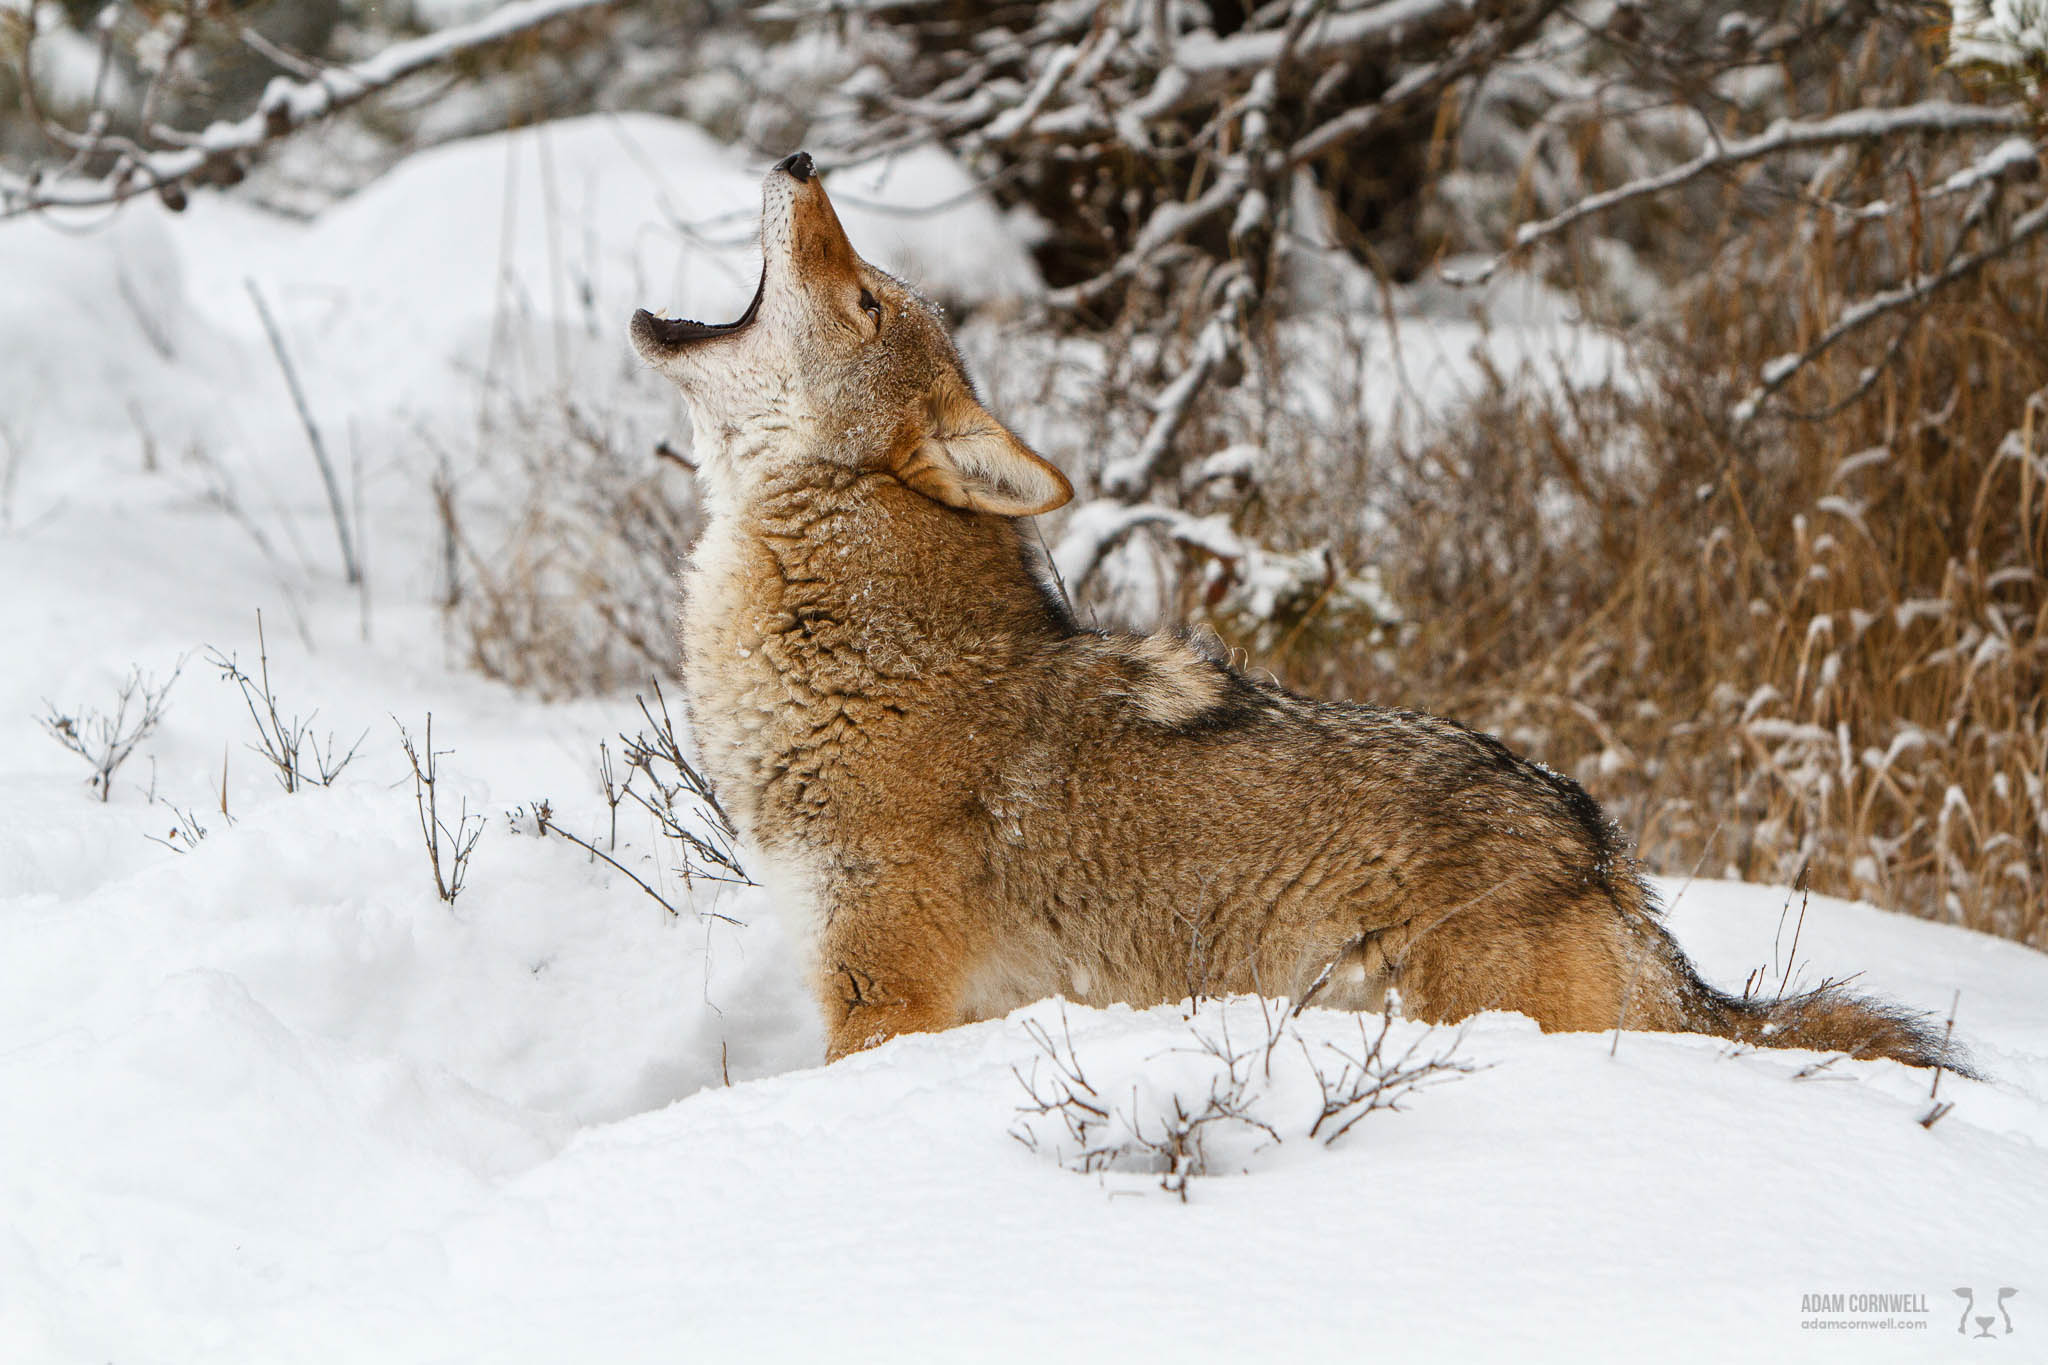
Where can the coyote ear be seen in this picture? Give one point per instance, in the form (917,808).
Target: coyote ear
(967,459)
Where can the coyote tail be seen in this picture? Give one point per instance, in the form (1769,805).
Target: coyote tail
(1830,1019)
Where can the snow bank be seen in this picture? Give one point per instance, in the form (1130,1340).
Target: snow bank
(497,264)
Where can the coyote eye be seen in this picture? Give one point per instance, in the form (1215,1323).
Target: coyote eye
(871,308)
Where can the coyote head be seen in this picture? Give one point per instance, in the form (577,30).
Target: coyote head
(836,361)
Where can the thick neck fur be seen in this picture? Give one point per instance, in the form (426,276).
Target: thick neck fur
(873,581)
(821,599)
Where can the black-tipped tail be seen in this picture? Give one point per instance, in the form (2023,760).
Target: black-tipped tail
(1830,1019)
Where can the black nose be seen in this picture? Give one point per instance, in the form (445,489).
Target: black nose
(797,164)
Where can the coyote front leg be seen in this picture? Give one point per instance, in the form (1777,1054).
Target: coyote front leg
(893,961)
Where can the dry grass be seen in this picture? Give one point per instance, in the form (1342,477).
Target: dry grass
(576,592)
(1803,643)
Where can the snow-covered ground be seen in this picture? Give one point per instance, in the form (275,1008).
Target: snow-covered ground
(272,1099)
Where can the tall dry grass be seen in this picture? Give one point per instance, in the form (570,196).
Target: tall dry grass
(568,586)
(1810,645)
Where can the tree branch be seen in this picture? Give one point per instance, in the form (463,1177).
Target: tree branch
(285,107)
(1858,125)
(1861,314)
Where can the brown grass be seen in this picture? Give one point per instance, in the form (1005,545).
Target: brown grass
(575,593)
(1806,644)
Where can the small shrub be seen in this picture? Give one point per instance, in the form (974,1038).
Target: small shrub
(1213,1106)
(107,741)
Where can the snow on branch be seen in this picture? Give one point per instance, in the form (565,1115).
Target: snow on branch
(2014,158)
(1168,221)
(1476,50)
(285,107)
(1861,314)
(1389,26)
(1099,527)
(1785,135)
(1127,477)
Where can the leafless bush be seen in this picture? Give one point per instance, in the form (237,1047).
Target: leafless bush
(574,590)
(682,803)
(448,849)
(297,756)
(684,813)
(107,741)
(1213,1107)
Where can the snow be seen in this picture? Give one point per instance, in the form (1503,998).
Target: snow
(272,1099)
(2007,33)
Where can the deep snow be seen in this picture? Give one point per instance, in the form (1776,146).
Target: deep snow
(272,1100)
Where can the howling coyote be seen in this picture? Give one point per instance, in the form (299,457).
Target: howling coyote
(983,804)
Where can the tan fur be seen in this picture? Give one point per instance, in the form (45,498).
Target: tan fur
(983,804)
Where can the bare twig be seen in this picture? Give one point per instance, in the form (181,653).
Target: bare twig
(448,850)
(682,802)
(107,741)
(1939,1107)
(285,107)
(544,819)
(291,379)
(297,756)
(1785,135)
(182,837)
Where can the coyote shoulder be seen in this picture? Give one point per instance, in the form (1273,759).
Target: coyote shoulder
(986,804)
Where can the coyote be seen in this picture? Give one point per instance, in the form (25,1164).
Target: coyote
(983,804)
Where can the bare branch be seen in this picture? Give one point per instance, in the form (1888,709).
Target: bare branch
(1389,26)
(285,107)
(286,745)
(291,379)
(448,850)
(544,819)
(1785,135)
(1476,50)
(1098,527)
(1861,314)
(1129,476)
(108,741)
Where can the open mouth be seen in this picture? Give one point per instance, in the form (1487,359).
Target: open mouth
(670,334)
